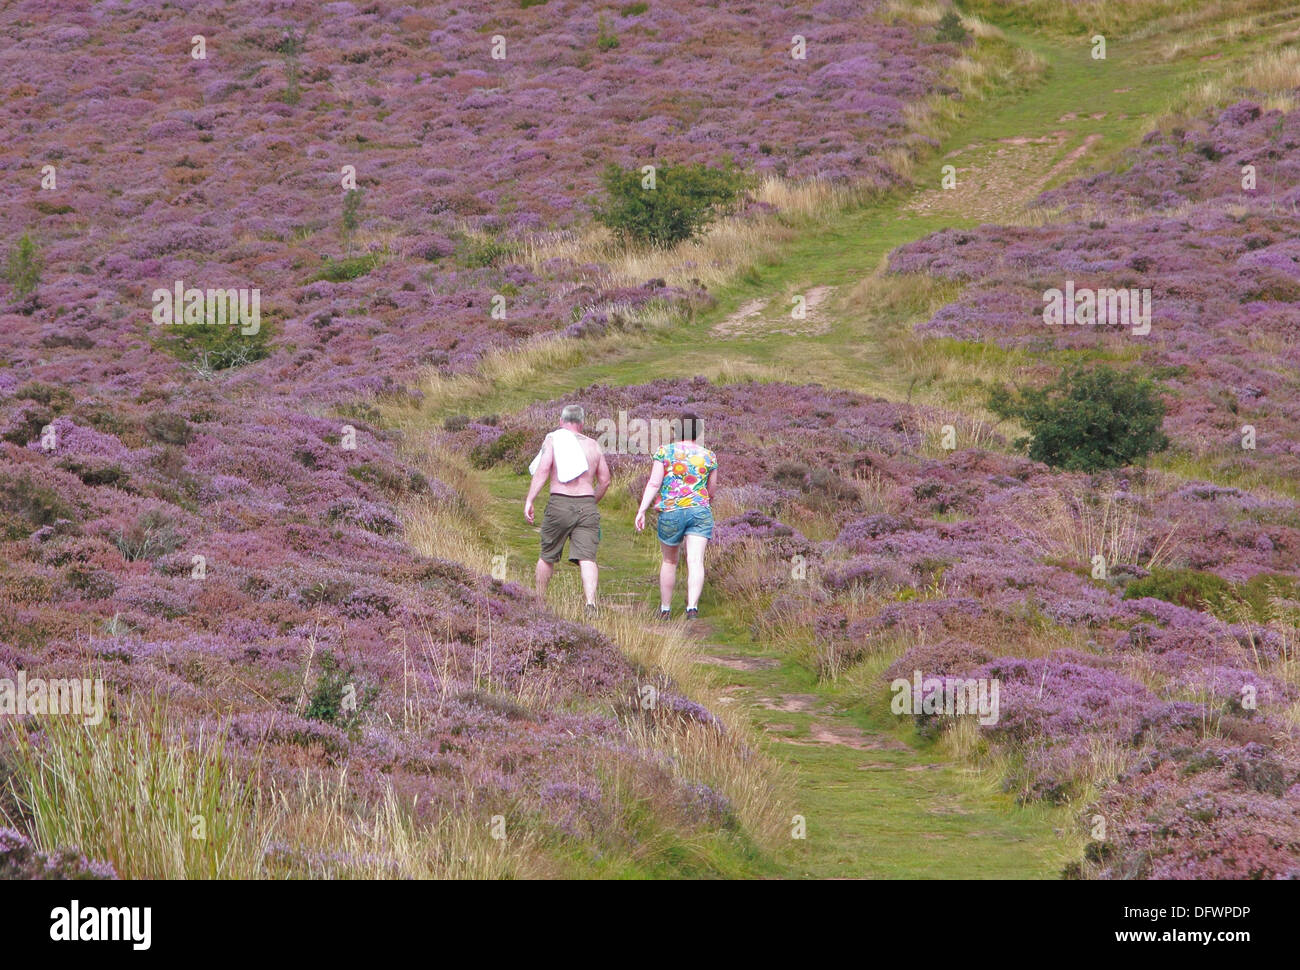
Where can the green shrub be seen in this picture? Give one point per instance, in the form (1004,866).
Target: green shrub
(1191,588)
(341,270)
(59,398)
(633,9)
(605,39)
(1087,420)
(95,475)
(949,29)
(1259,591)
(23,268)
(333,684)
(685,199)
(508,448)
(1205,591)
(481,253)
(216,347)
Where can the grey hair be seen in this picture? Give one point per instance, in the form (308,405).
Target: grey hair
(572,414)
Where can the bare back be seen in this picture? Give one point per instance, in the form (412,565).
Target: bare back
(584,484)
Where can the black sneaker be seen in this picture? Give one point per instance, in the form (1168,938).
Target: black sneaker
(693,613)
(592,609)
(665,614)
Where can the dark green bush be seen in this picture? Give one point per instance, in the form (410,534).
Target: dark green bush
(27,506)
(217,346)
(1200,590)
(1087,420)
(59,398)
(95,475)
(685,199)
(341,270)
(327,696)
(949,29)
(509,448)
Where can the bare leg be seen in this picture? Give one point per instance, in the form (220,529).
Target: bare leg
(694,570)
(590,575)
(544,570)
(667,576)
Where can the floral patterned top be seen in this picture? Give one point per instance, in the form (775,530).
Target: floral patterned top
(686,475)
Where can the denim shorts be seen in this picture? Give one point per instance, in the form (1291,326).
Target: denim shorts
(675,524)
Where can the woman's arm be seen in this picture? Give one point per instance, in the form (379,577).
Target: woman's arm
(651,489)
(711,486)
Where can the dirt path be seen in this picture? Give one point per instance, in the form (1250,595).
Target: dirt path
(771,316)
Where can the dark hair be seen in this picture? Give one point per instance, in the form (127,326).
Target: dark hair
(691,425)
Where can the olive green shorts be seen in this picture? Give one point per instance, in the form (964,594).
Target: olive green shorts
(571,517)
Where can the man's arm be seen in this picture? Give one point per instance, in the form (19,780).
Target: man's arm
(603,477)
(540,477)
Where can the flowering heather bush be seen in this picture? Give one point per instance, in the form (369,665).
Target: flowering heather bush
(1220,260)
(19,859)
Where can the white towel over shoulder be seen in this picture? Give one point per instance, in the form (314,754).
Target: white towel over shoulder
(570,459)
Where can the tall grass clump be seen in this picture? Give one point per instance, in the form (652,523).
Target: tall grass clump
(140,795)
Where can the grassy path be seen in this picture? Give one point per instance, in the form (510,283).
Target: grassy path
(877,801)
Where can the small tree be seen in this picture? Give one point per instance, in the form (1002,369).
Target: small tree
(684,199)
(950,29)
(351,210)
(23,268)
(1087,420)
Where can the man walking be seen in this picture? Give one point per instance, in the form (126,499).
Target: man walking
(579,477)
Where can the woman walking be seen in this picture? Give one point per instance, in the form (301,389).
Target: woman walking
(683,476)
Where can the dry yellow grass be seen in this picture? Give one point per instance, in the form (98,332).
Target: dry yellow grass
(332,839)
(454,530)
(1075,528)
(725,248)
(1273,78)
(731,371)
